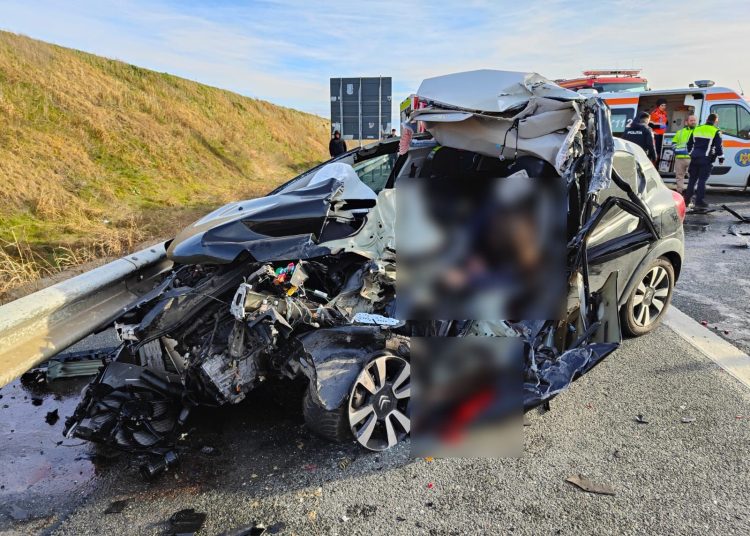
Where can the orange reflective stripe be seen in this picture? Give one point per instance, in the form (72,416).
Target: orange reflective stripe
(731,95)
(622,100)
(733,143)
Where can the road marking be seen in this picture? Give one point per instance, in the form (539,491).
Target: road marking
(729,357)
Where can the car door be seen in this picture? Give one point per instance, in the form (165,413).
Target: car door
(623,229)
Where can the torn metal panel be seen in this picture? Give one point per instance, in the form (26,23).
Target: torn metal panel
(336,356)
(376,239)
(491,90)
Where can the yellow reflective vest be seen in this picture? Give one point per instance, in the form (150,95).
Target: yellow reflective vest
(680,142)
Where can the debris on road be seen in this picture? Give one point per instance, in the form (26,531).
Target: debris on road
(276,527)
(640,419)
(740,217)
(361,510)
(116,507)
(209,451)
(52,417)
(591,487)
(186,521)
(744,243)
(345,462)
(248,530)
(688,419)
(69,365)
(733,229)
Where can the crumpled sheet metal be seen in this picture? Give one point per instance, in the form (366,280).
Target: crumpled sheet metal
(538,129)
(491,90)
(554,376)
(337,355)
(605,146)
(377,237)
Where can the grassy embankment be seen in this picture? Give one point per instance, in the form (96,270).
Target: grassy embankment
(97,156)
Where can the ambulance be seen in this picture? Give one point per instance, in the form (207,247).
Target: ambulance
(699,99)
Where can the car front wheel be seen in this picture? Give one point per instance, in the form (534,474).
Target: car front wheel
(649,300)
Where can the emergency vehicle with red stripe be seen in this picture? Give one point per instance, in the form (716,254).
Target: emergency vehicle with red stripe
(700,99)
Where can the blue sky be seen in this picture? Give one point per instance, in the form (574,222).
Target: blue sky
(286,50)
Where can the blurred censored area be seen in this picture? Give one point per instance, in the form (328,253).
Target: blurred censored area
(481,245)
(466,396)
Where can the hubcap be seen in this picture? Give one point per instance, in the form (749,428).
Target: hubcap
(651,296)
(379,403)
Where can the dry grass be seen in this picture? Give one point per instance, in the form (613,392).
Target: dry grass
(97,155)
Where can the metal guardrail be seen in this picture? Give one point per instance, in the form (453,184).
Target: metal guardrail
(40,325)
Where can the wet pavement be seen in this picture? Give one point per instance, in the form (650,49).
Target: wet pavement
(714,286)
(42,471)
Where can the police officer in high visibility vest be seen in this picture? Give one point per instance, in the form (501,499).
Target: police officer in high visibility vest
(681,154)
(704,147)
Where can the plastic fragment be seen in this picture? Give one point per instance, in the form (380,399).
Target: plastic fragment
(115,507)
(587,485)
(248,530)
(276,527)
(688,419)
(186,521)
(640,419)
(52,417)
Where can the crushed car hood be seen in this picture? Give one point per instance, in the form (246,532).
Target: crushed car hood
(285,225)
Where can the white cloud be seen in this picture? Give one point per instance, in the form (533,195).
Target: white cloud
(285,50)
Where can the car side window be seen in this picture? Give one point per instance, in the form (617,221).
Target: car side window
(734,120)
(624,165)
(375,172)
(743,123)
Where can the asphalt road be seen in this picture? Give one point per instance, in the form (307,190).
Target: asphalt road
(714,286)
(669,477)
(262,465)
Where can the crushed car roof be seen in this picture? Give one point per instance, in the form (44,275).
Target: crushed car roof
(489,90)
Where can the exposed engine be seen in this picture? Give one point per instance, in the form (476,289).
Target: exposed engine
(209,335)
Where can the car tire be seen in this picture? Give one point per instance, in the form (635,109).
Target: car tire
(332,425)
(649,300)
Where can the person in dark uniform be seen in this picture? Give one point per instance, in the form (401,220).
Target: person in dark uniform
(336,146)
(704,147)
(641,134)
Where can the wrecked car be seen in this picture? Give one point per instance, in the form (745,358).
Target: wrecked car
(302,284)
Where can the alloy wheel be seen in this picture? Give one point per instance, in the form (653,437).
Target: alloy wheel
(379,403)
(651,296)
